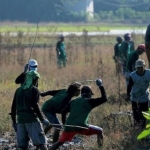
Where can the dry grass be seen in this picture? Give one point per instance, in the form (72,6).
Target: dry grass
(84,62)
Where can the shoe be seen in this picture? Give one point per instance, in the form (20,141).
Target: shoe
(100,139)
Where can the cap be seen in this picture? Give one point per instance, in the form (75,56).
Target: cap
(32,63)
(61,36)
(142,46)
(86,89)
(139,63)
(119,38)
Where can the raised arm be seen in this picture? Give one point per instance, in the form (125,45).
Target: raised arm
(94,102)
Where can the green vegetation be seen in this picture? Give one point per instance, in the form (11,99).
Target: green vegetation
(112,11)
(86,61)
(66,28)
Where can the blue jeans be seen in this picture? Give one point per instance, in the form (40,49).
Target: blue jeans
(33,130)
(52,118)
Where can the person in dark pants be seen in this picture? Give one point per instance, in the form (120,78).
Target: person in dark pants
(132,58)
(79,111)
(57,103)
(61,52)
(25,106)
(116,56)
(31,66)
(138,92)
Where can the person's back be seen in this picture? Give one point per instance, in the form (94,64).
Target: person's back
(132,58)
(128,39)
(79,107)
(25,105)
(54,104)
(131,45)
(124,50)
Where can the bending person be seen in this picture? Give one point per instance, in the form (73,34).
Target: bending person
(57,103)
(79,111)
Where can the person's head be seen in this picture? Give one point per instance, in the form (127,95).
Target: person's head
(141,49)
(86,91)
(140,66)
(74,88)
(31,79)
(119,39)
(62,37)
(127,37)
(33,65)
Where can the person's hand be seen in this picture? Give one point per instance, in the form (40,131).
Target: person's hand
(14,125)
(26,68)
(99,82)
(45,122)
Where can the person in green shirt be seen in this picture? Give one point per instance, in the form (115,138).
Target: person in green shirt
(57,103)
(128,39)
(132,58)
(116,56)
(61,52)
(80,109)
(123,54)
(31,66)
(25,106)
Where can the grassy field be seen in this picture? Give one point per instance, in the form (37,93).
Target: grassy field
(65,27)
(85,61)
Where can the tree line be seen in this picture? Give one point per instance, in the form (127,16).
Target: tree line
(55,11)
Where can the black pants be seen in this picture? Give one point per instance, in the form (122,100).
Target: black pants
(137,109)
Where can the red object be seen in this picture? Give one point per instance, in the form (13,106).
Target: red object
(142,46)
(67,136)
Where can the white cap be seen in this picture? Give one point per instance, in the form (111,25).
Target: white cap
(32,63)
(139,63)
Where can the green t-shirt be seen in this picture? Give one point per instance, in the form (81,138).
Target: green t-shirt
(62,49)
(132,58)
(124,47)
(131,47)
(79,112)
(25,112)
(54,104)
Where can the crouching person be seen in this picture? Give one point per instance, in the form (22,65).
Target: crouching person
(79,111)
(25,106)
(56,104)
